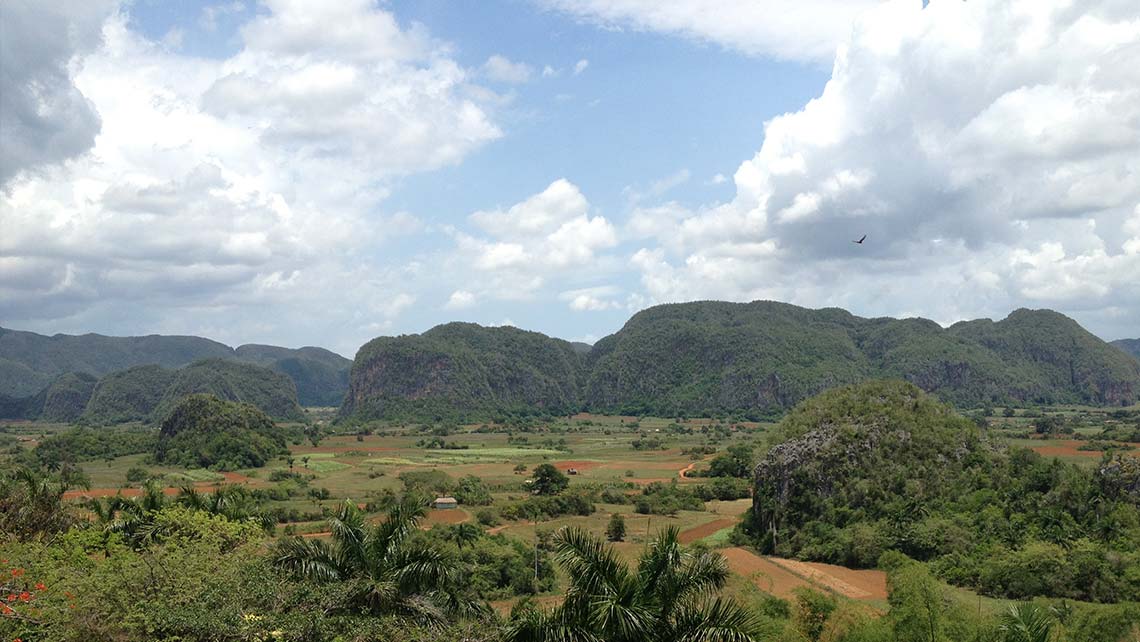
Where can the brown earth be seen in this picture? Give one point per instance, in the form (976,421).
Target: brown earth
(858,585)
(768,577)
(704,530)
(1065,448)
(580,465)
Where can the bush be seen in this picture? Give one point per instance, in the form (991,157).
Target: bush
(615,530)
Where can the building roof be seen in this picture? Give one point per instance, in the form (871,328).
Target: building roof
(445,500)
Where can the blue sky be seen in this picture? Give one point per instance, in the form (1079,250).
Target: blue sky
(305,173)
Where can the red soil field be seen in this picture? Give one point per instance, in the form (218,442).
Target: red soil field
(578,464)
(859,585)
(768,577)
(1066,448)
(704,530)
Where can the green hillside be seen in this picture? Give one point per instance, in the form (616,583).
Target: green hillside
(1131,346)
(67,396)
(760,357)
(272,392)
(463,370)
(98,355)
(30,361)
(202,431)
(321,376)
(128,395)
(882,466)
(62,400)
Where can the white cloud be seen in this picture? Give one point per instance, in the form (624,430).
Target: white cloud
(580,66)
(547,236)
(593,299)
(459,300)
(804,30)
(45,117)
(502,69)
(987,149)
(242,189)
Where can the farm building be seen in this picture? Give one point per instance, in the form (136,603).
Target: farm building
(442,503)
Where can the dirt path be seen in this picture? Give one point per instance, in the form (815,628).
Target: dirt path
(768,577)
(858,585)
(704,530)
(683,473)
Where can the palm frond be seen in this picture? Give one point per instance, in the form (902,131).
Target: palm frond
(717,621)
(701,576)
(313,559)
(532,625)
(593,567)
(1026,622)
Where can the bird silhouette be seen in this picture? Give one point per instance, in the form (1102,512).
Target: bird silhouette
(860,241)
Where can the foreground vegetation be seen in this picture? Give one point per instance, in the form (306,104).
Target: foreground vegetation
(330,536)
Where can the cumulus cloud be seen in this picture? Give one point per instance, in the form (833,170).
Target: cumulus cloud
(801,30)
(989,151)
(459,300)
(46,118)
(502,69)
(234,188)
(548,235)
(592,299)
(580,66)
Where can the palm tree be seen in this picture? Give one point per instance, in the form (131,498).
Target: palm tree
(670,597)
(1026,622)
(466,534)
(384,571)
(134,518)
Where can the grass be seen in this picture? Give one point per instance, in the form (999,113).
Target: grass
(196,475)
(323,466)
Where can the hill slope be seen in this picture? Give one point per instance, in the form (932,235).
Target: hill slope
(882,466)
(1131,346)
(271,392)
(708,357)
(462,369)
(321,375)
(30,361)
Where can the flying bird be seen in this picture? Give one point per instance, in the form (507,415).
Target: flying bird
(860,241)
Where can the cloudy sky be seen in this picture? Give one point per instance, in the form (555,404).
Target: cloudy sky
(319,173)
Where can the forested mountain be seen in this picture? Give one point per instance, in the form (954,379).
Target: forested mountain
(147,393)
(321,375)
(698,358)
(1131,346)
(464,369)
(756,358)
(29,362)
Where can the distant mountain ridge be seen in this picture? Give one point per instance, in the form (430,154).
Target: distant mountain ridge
(714,357)
(29,362)
(147,393)
(1131,346)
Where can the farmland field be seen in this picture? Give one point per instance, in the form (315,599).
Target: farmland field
(595,452)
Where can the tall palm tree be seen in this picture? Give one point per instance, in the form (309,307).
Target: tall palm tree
(1026,622)
(384,571)
(669,597)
